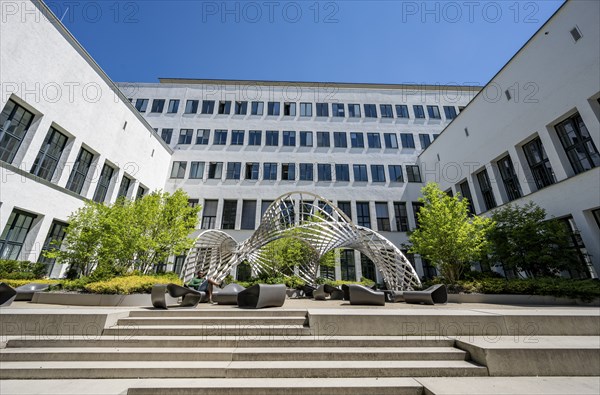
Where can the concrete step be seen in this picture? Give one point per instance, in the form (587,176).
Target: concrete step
(236,369)
(130,341)
(218,311)
(209,330)
(195,321)
(232,354)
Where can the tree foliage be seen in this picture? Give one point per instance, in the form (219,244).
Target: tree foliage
(446,235)
(127,235)
(525,241)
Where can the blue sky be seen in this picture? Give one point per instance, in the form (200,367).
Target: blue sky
(430,42)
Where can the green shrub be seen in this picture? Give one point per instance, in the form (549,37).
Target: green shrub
(130,284)
(17,283)
(21,270)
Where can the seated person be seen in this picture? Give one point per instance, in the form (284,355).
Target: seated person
(203,284)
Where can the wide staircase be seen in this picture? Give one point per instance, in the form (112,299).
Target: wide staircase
(193,351)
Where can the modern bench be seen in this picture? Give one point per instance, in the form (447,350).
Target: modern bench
(190,297)
(262,295)
(436,294)
(361,295)
(25,292)
(7,295)
(228,294)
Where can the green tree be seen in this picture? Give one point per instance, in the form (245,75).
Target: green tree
(446,235)
(523,240)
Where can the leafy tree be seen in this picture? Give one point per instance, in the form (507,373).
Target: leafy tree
(447,236)
(525,241)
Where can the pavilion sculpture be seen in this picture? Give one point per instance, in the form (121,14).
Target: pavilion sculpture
(312,219)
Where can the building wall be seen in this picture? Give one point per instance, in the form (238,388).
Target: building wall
(47,72)
(552,78)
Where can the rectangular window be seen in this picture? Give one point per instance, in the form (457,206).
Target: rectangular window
(306,139)
(178,169)
(374,140)
(345,207)
(363,214)
(251,172)
(340,140)
(539,163)
(289,138)
(425,140)
(14,124)
(241,108)
(509,178)
(322,109)
(416,206)
(233,170)
(264,205)
(323,139)
(306,109)
(258,108)
(220,137)
(166,135)
(103,183)
(413,173)
(383,217)
(289,109)
(141,191)
(360,173)
(419,112)
(465,192)
(215,170)
(185,136)
(224,107)
(202,136)
(191,106)
(306,171)
(53,241)
(173,106)
(357,140)
(434,112)
(578,144)
(386,111)
(342,172)
(158,105)
(47,159)
(124,187)
(208,106)
(248,214)
(354,111)
(408,140)
(391,140)
(209,214)
(395,173)
(15,232)
(141,105)
(486,190)
(347,265)
(324,171)
(288,171)
(450,112)
(80,171)
(272,139)
(401,216)
(269,171)
(402,111)
(377,173)
(273,108)
(237,137)
(197,170)
(338,110)
(229,214)
(255,137)
(370,111)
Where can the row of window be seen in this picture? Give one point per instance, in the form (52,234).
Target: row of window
(287,171)
(289,138)
(14,124)
(228,107)
(363,217)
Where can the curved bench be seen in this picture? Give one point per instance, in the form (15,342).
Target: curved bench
(227,295)
(262,295)
(361,295)
(190,297)
(25,292)
(7,295)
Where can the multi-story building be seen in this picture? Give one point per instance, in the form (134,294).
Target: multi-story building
(238,145)
(533,132)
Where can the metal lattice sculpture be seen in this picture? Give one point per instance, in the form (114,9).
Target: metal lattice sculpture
(311,219)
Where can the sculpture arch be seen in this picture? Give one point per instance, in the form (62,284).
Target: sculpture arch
(315,220)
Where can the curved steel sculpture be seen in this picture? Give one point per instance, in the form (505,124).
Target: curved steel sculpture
(311,219)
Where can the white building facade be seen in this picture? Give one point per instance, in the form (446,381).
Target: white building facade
(67,134)
(238,145)
(533,133)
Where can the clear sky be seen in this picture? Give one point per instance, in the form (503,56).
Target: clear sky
(432,42)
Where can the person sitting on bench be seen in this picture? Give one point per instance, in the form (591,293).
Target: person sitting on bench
(203,284)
